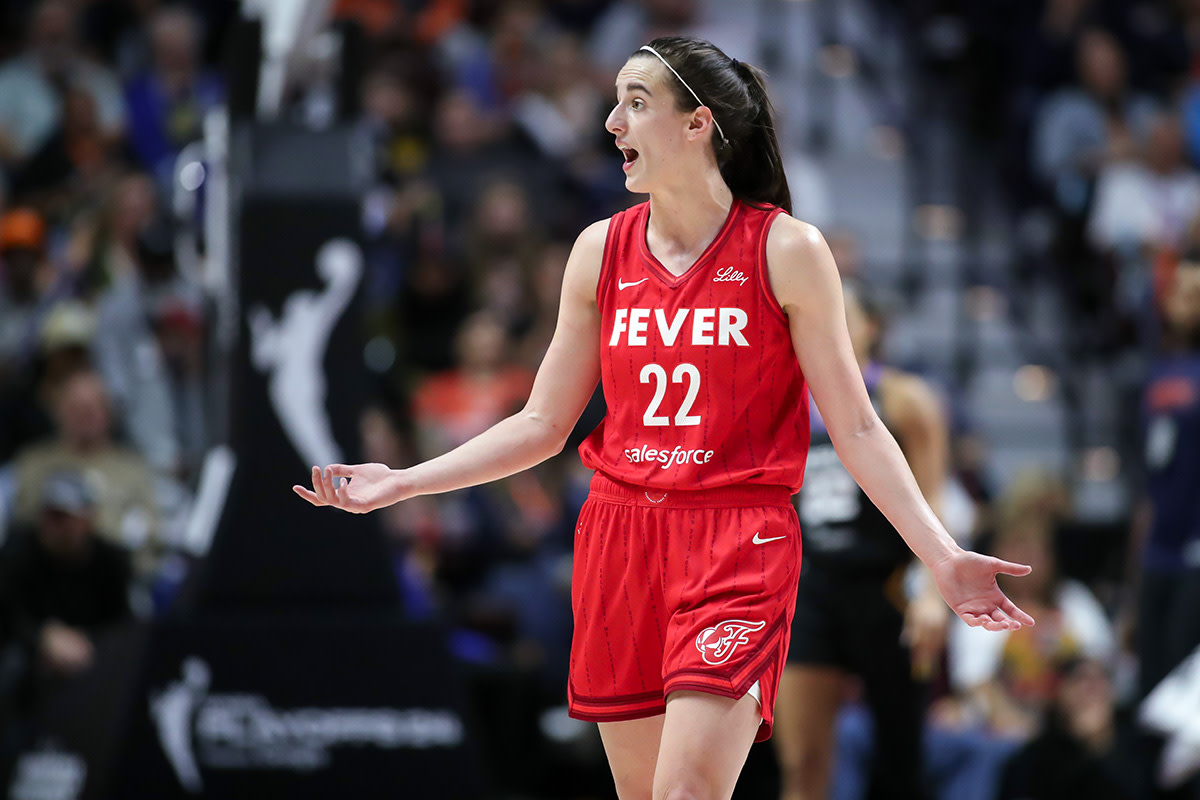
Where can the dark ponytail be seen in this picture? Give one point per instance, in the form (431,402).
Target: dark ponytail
(755,165)
(736,93)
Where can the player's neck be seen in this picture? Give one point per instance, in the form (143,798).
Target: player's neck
(685,219)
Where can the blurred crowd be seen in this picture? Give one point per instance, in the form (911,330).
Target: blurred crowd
(487,123)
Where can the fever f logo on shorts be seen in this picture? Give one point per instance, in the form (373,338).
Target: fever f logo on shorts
(716,644)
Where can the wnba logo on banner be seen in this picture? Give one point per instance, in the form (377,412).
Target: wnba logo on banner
(716,644)
(198,728)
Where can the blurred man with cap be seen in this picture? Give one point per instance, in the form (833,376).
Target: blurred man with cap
(126,512)
(60,584)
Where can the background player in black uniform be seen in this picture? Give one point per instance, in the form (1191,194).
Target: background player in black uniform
(1169,597)
(852,617)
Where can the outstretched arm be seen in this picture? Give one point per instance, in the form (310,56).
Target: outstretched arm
(564,383)
(806,282)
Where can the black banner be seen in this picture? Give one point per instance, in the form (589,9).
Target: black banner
(297,382)
(264,708)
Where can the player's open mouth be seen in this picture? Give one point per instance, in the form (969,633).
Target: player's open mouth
(631,156)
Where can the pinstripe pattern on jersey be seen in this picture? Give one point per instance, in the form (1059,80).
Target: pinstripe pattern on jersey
(721,318)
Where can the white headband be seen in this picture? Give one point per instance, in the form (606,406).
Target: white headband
(650,49)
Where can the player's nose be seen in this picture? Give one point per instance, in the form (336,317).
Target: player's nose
(615,122)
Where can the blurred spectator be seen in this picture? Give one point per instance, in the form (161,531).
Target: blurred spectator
(32,84)
(1099,121)
(404,212)
(23,279)
(76,162)
(547,292)
(1082,750)
(1077,134)
(105,246)
(399,117)
(378,17)
(1168,623)
(503,243)
(1006,678)
(473,148)
(493,58)
(1149,203)
(485,387)
(126,513)
(1046,52)
(1154,34)
(1003,682)
(167,103)
(27,400)
(562,110)
(157,406)
(387,19)
(179,327)
(60,584)
(435,301)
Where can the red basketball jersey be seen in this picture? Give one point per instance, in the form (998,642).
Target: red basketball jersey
(699,373)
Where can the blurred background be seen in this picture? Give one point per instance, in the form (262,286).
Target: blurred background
(239,238)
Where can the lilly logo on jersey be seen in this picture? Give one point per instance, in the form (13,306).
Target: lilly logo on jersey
(731,275)
(709,326)
(668,458)
(716,644)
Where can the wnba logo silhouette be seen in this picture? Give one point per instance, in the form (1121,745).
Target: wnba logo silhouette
(716,644)
(291,350)
(173,710)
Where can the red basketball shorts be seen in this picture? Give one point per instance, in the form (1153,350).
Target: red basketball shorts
(680,591)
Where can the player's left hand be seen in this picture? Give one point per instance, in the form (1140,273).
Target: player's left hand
(967,582)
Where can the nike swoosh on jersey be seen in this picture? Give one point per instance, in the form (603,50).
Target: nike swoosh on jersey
(759,540)
(623,285)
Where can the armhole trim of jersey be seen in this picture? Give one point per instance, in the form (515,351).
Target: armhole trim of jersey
(614,225)
(764,271)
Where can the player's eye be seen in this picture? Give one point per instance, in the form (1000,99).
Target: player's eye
(637,104)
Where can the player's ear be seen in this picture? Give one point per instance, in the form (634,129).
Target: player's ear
(699,122)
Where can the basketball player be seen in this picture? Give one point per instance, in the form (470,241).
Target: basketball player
(851,612)
(703,311)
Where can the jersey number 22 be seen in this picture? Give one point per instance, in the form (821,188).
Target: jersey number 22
(682,372)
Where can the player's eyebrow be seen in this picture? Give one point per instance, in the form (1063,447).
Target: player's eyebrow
(639,87)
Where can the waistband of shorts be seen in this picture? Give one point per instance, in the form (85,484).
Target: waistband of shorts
(738,495)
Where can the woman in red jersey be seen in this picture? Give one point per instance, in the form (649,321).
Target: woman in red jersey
(706,312)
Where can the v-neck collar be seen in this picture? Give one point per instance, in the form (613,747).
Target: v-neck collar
(665,275)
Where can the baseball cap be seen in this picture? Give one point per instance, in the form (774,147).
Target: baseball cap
(22,228)
(68,323)
(69,492)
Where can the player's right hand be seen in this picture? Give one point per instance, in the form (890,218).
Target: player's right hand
(368,487)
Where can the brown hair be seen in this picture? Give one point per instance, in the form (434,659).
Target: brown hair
(736,93)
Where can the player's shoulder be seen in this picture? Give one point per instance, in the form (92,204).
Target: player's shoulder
(792,238)
(583,268)
(594,235)
(799,263)
(588,251)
